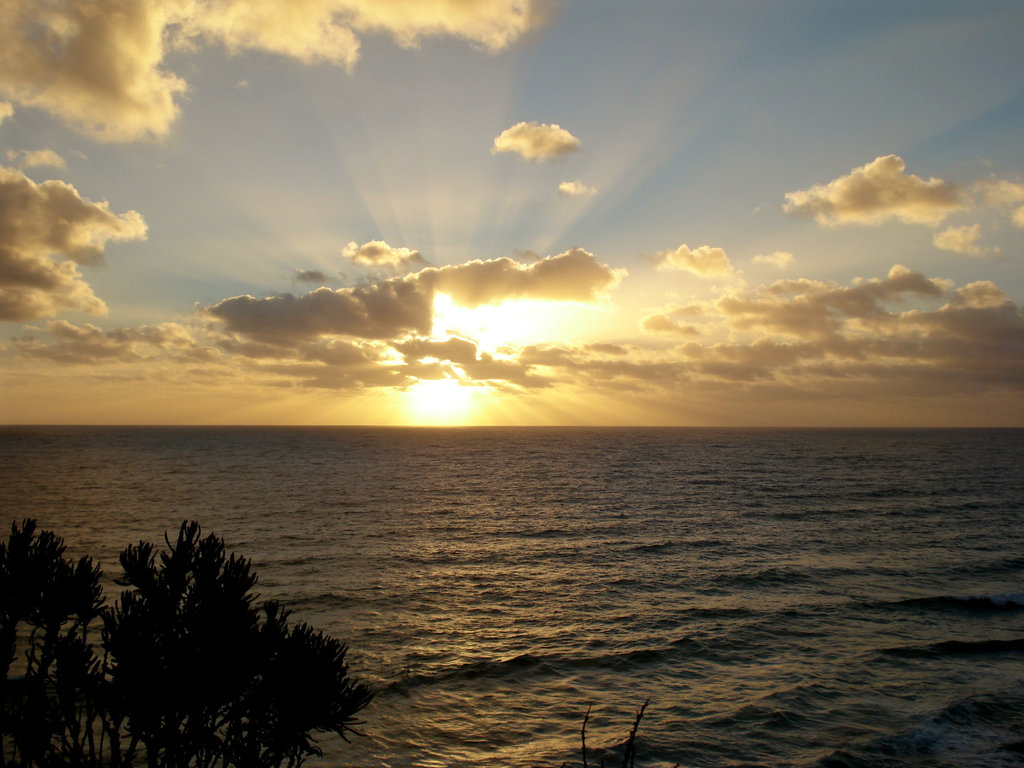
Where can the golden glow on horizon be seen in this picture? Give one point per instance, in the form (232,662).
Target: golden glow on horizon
(441,402)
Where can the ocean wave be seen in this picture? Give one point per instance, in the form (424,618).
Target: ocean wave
(616,661)
(781,576)
(663,547)
(957,648)
(1013,601)
(999,566)
(516,666)
(984,731)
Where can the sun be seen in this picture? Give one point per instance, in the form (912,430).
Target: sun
(436,402)
(455,398)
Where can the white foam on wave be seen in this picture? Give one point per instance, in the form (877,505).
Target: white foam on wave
(1001,600)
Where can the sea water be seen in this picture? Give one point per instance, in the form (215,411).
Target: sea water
(780,597)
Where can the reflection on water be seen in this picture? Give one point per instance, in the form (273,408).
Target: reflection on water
(783,597)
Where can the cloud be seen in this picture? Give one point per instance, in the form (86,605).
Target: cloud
(378,253)
(874,193)
(6,110)
(398,307)
(454,349)
(982,294)
(471,363)
(311,276)
(88,345)
(803,340)
(100,65)
(576,189)
(780,259)
(901,340)
(960,240)
(276,345)
(876,348)
(675,320)
(330,30)
(96,64)
(704,261)
(35,158)
(387,310)
(1000,192)
(493,24)
(1003,194)
(813,309)
(44,228)
(535,142)
(574,275)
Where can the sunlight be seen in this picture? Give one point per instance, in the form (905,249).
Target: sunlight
(439,402)
(511,323)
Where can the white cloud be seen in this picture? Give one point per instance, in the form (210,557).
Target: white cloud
(780,259)
(960,240)
(35,158)
(874,193)
(576,189)
(574,275)
(101,65)
(675,320)
(97,64)
(1000,192)
(6,110)
(1005,195)
(379,253)
(703,261)
(330,30)
(983,294)
(535,141)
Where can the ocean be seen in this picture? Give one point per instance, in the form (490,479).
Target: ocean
(780,597)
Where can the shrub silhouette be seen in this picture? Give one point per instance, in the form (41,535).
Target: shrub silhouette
(49,714)
(193,673)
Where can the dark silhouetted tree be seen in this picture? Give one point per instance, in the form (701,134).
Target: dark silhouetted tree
(193,674)
(48,715)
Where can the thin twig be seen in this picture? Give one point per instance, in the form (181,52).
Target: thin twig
(583,736)
(630,753)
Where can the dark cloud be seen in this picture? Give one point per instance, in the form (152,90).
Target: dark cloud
(89,345)
(808,339)
(45,229)
(398,307)
(811,308)
(311,276)
(386,310)
(472,363)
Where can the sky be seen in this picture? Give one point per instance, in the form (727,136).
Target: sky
(521,212)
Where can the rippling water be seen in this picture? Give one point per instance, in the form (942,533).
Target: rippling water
(782,597)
